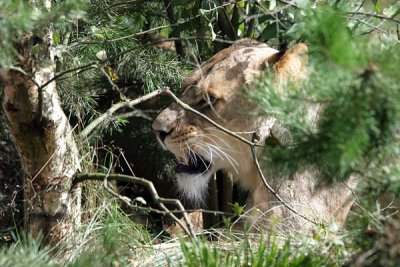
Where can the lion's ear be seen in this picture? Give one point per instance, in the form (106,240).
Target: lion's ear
(291,64)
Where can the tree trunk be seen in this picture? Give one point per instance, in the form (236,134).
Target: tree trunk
(44,139)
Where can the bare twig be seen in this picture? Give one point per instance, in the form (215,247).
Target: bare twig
(159,41)
(172,24)
(266,13)
(185,106)
(374,27)
(94,64)
(110,81)
(273,192)
(124,3)
(20,70)
(135,113)
(379,16)
(128,104)
(291,3)
(85,67)
(152,30)
(88,177)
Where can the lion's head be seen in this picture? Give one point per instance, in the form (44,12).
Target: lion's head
(217,89)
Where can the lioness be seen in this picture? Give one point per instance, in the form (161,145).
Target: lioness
(217,90)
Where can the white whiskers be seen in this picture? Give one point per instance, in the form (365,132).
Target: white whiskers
(220,153)
(210,148)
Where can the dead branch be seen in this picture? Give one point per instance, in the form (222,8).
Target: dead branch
(87,177)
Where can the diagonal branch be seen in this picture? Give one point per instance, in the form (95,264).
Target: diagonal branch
(379,16)
(273,192)
(123,104)
(185,106)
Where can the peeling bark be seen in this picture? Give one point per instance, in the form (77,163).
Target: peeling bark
(44,139)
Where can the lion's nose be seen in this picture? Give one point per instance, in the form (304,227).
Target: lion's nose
(162,135)
(165,122)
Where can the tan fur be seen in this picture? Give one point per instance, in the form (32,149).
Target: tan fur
(222,79)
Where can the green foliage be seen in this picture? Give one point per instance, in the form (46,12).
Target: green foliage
(19,17)
(113,241)
(26,252)
(353,89)
(261,252)
(354,76)
(118,66)
(355,94)
(108,239)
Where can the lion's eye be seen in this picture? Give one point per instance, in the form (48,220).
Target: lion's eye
(207,100)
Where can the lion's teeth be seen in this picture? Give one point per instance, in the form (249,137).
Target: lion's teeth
(182,160)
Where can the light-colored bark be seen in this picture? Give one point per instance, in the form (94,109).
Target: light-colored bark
(44,139)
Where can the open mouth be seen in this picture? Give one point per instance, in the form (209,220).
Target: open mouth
(196,165)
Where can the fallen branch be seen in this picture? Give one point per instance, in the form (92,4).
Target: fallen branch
(88,177)
(149,185)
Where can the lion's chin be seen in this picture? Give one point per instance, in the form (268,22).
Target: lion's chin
(194,186)
(192,177)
